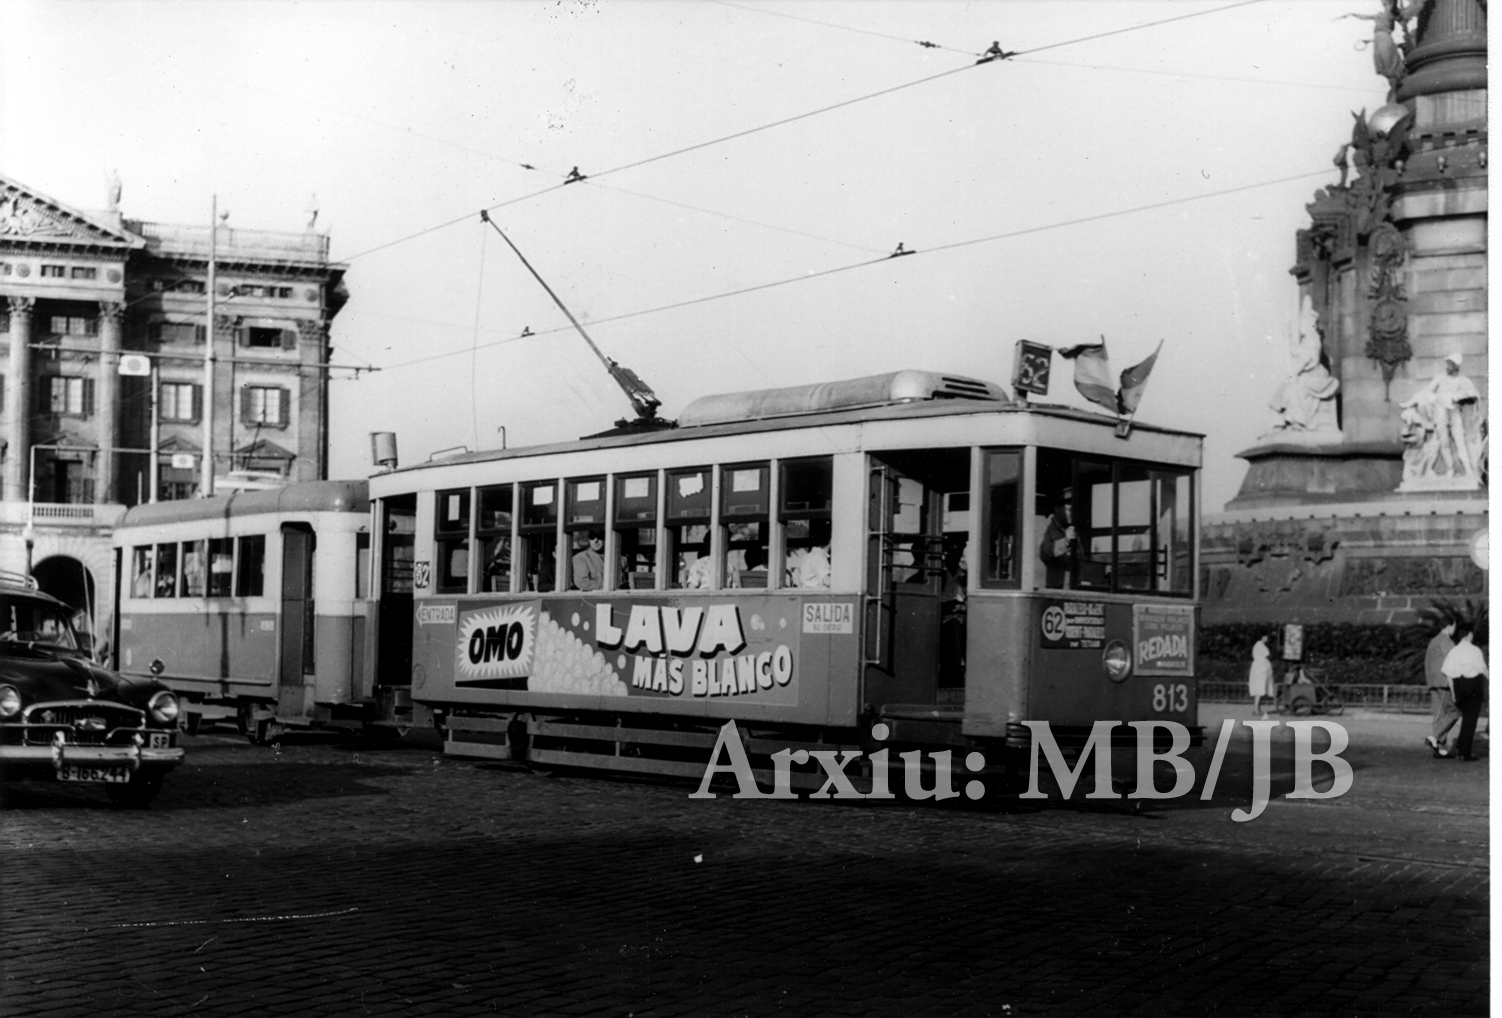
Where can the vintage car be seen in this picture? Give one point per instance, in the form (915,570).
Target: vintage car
(64,718)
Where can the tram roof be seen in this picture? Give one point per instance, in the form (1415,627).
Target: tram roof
(299,497)
(916,410)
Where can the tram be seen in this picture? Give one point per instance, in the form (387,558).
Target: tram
(256,606)
(913,550)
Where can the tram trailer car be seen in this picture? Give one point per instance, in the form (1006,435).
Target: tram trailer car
(255,606)
(807,562)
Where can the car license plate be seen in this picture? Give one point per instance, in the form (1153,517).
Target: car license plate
(94,773)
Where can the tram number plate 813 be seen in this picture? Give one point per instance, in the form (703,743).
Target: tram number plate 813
(94,773)
(1173,698)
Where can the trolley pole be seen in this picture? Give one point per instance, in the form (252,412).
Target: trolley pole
(206,484)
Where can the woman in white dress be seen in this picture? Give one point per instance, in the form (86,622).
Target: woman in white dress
(1259,680)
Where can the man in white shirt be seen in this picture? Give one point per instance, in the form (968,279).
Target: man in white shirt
(1465,668)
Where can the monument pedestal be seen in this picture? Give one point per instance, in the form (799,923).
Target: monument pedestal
(1322,534)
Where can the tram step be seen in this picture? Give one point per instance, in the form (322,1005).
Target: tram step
(607,733)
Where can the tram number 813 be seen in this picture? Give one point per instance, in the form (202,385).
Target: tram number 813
(1168,698)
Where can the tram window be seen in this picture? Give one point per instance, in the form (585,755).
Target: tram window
(688,507)
(636,530)
(745,503)
(539,528)
(452,544)
(1134,528)
(141,571)
(1131,524)
(1003,488)
(493,531)
(806,496)
(910,545)
(251,578)
(221,566)
(586,502)
(362,566)
(398,545)
(194,568)
(166,570)
(584,522)
(1173,557)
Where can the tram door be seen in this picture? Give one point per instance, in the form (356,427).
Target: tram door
(297,614)
(918,521)
(394,608)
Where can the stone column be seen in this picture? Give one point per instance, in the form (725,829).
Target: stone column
(18,389)
(107,397)
(310,408)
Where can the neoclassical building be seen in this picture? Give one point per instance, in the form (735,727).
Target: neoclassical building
(104,326)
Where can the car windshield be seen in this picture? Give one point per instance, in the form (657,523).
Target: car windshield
(27,620)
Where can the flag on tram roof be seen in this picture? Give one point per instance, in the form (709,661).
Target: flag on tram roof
(1134,380)
(1092,372)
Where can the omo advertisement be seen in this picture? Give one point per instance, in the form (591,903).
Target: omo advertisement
(749,649)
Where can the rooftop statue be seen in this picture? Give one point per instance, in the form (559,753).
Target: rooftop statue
(1305,403)
(1387,54)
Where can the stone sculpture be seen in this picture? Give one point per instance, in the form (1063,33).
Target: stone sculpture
(1440,432)
(1305,403)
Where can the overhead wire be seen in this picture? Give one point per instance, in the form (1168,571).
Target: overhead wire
(846,28)
(578,177)
(737,219)
(838,269)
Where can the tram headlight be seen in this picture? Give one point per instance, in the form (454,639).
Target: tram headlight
(10,701)
(1117,660)
(163,708)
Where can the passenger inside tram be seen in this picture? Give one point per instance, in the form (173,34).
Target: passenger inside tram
(692,566)
(807,563)
(589,561)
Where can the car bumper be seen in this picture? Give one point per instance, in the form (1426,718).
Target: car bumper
(36,758)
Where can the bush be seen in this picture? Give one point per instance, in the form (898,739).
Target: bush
(1348,652)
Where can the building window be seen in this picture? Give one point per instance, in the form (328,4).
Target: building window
(54,272)
(265,405)
(74,325)
(177,332)
(268,339)
(178,401)
(83,272)
(178,286)
(72,396)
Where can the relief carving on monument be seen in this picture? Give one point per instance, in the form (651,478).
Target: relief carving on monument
(1280,555)
(1378,577)
(1443,432)
(1305,402)
(1388,332)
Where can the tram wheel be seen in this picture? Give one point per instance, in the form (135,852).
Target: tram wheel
(266,732)
(192,722)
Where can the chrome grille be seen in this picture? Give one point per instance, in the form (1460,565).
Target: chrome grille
(85,723)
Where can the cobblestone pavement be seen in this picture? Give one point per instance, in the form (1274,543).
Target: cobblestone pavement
(334,879)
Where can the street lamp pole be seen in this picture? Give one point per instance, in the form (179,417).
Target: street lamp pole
(206,484)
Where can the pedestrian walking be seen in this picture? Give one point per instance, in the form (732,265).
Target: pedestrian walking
(1465,668)
(1445,712)
(1259,680)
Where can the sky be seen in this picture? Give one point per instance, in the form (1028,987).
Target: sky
(1137,171)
